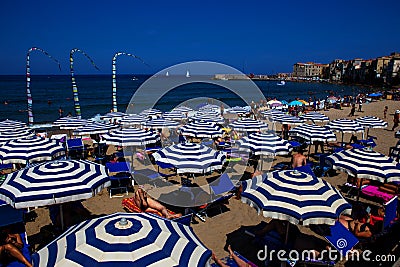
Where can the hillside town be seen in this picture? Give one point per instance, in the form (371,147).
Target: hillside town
(381,71)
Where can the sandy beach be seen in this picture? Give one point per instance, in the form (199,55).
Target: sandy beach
(220,230)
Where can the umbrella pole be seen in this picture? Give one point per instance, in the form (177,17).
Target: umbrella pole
(62,217)
(309,150)
(359,189)
(283,264)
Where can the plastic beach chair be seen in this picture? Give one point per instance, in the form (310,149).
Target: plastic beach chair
(223,186)
(390,212)
(122,179)
(75,148)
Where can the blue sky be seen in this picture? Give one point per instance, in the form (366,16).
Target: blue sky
(259,36)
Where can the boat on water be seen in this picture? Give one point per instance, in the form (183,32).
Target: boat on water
(187,74)
(281,83)
(134,79)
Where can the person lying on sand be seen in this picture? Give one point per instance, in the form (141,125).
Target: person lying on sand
(147,204)
(10,247)
(232,255)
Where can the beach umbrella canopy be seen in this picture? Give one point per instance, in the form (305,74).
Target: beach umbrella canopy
(113,116)
(264,144)
(11,125)
(7,136)
(70,123)
(332,99)
(201,129)
(372,122)
(151,112)
(345,126)
(161,123)
(190,158)
(94,128)
(273,113)
(295,197)
(312,133)
(365,163)
(287,119)
(274,103)
(125,239)
(237,110)
(31,149)
(375,94)
(53,182)
(248,125)
(182,109)
(210,107)
(207,117)
(315,117)
(132,119)
(175,116)
(295,103)
(131,137)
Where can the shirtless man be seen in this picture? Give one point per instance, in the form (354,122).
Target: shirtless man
(298,159)
(147,204)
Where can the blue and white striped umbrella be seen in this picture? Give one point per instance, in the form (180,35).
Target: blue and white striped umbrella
(31,149)
(131,137)
(132,119)
(113,116)
(208,118)
(210,107)
(211,113)
(182,109)
(237,110)
(345,126)
(372,122)
(312,132)
(70,123)
(248,125)
(295,197)
(10,125)
(190,158)
(94,128)
(201,129)
(287,119)
(161,123)
(273,113)
(264,144)
(315,117)
(175,116)
(7,136)
(364,163)
(151,112)
(125,239)
(53,182)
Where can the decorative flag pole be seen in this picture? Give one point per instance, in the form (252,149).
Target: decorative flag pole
(28,80)
(74,87)
(114,77)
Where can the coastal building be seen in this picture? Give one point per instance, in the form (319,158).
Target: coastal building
(309,70)
(393,69)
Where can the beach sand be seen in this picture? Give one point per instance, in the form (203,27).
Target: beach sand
(221,229)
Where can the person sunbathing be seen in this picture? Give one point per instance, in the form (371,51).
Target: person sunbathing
(11,245)
(147,204)
(232,255)
(360,228)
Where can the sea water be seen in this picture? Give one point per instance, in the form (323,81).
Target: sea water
(49,93)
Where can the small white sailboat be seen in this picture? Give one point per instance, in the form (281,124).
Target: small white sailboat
(281,83)
(167,74)
(187,74)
